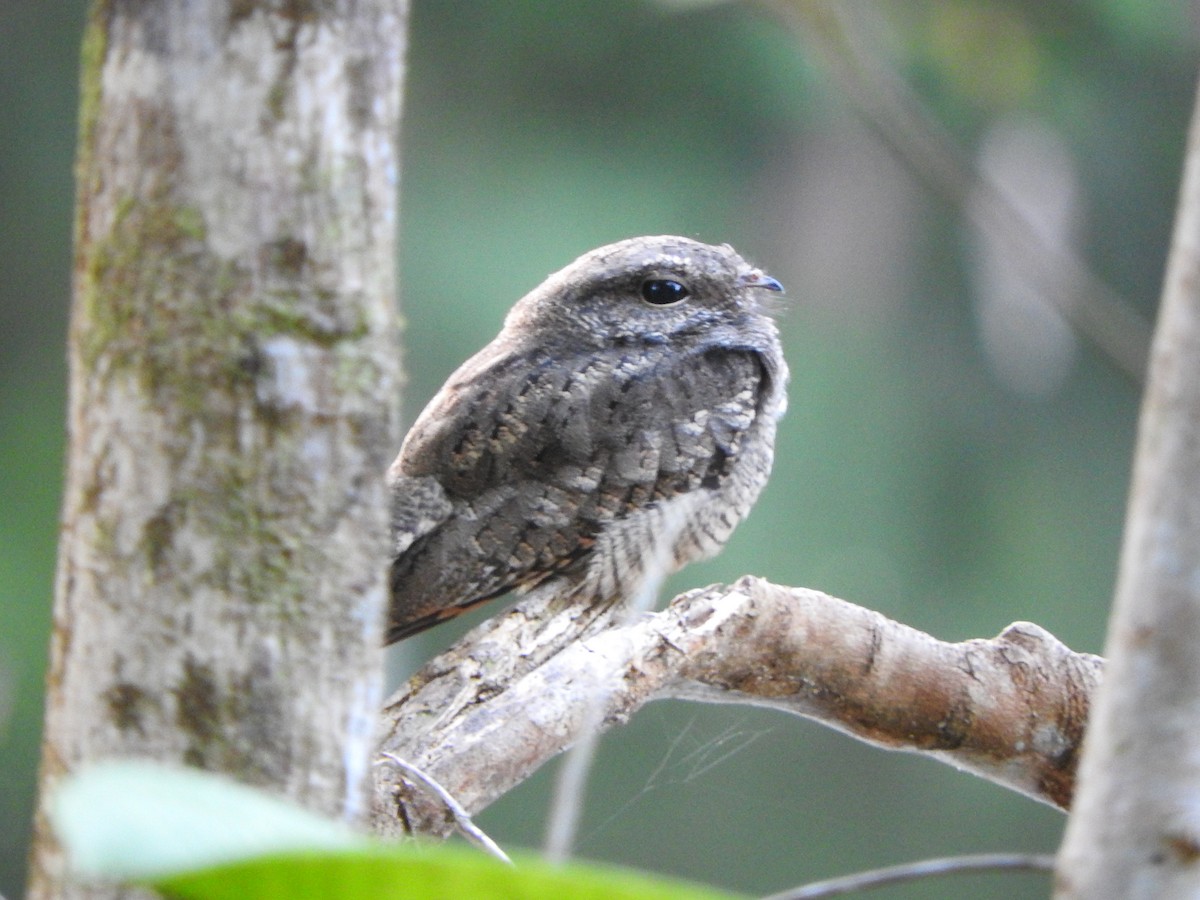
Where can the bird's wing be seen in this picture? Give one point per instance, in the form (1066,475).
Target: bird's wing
(526,469)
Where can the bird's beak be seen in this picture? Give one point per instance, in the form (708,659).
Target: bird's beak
(755,278)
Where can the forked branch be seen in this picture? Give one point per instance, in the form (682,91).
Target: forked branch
(514,693)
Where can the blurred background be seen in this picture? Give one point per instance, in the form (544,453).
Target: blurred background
(954,456)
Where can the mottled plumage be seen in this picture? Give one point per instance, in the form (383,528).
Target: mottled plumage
(623,420)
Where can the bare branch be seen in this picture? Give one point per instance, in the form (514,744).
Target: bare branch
(483,716)
(463,822)
(919,871)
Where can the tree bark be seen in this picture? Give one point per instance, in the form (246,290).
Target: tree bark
(522,687)
(233,399)
(1135,831)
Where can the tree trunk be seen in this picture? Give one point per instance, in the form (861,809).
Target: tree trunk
(233,394)
(1134,831)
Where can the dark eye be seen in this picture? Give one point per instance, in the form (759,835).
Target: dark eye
(663,291)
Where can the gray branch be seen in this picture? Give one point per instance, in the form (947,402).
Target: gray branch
(482,717)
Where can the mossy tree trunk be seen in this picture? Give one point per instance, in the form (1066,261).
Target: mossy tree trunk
(233,395)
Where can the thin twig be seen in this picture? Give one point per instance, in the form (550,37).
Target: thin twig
(894,112)
(925,868)
(469,830)
(566,806)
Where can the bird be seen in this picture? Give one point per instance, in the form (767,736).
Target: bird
(620,425)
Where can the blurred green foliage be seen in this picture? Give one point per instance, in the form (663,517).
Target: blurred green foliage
(909,478)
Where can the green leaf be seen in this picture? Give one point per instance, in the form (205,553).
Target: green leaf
(420,873)
(132,821)
(198,836)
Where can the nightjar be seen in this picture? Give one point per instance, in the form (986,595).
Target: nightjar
(619,427)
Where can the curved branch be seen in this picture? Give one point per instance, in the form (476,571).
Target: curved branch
(514,693)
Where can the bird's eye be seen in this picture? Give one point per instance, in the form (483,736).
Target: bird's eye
(663,291)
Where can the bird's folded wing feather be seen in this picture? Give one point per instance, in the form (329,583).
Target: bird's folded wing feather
(505,484)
